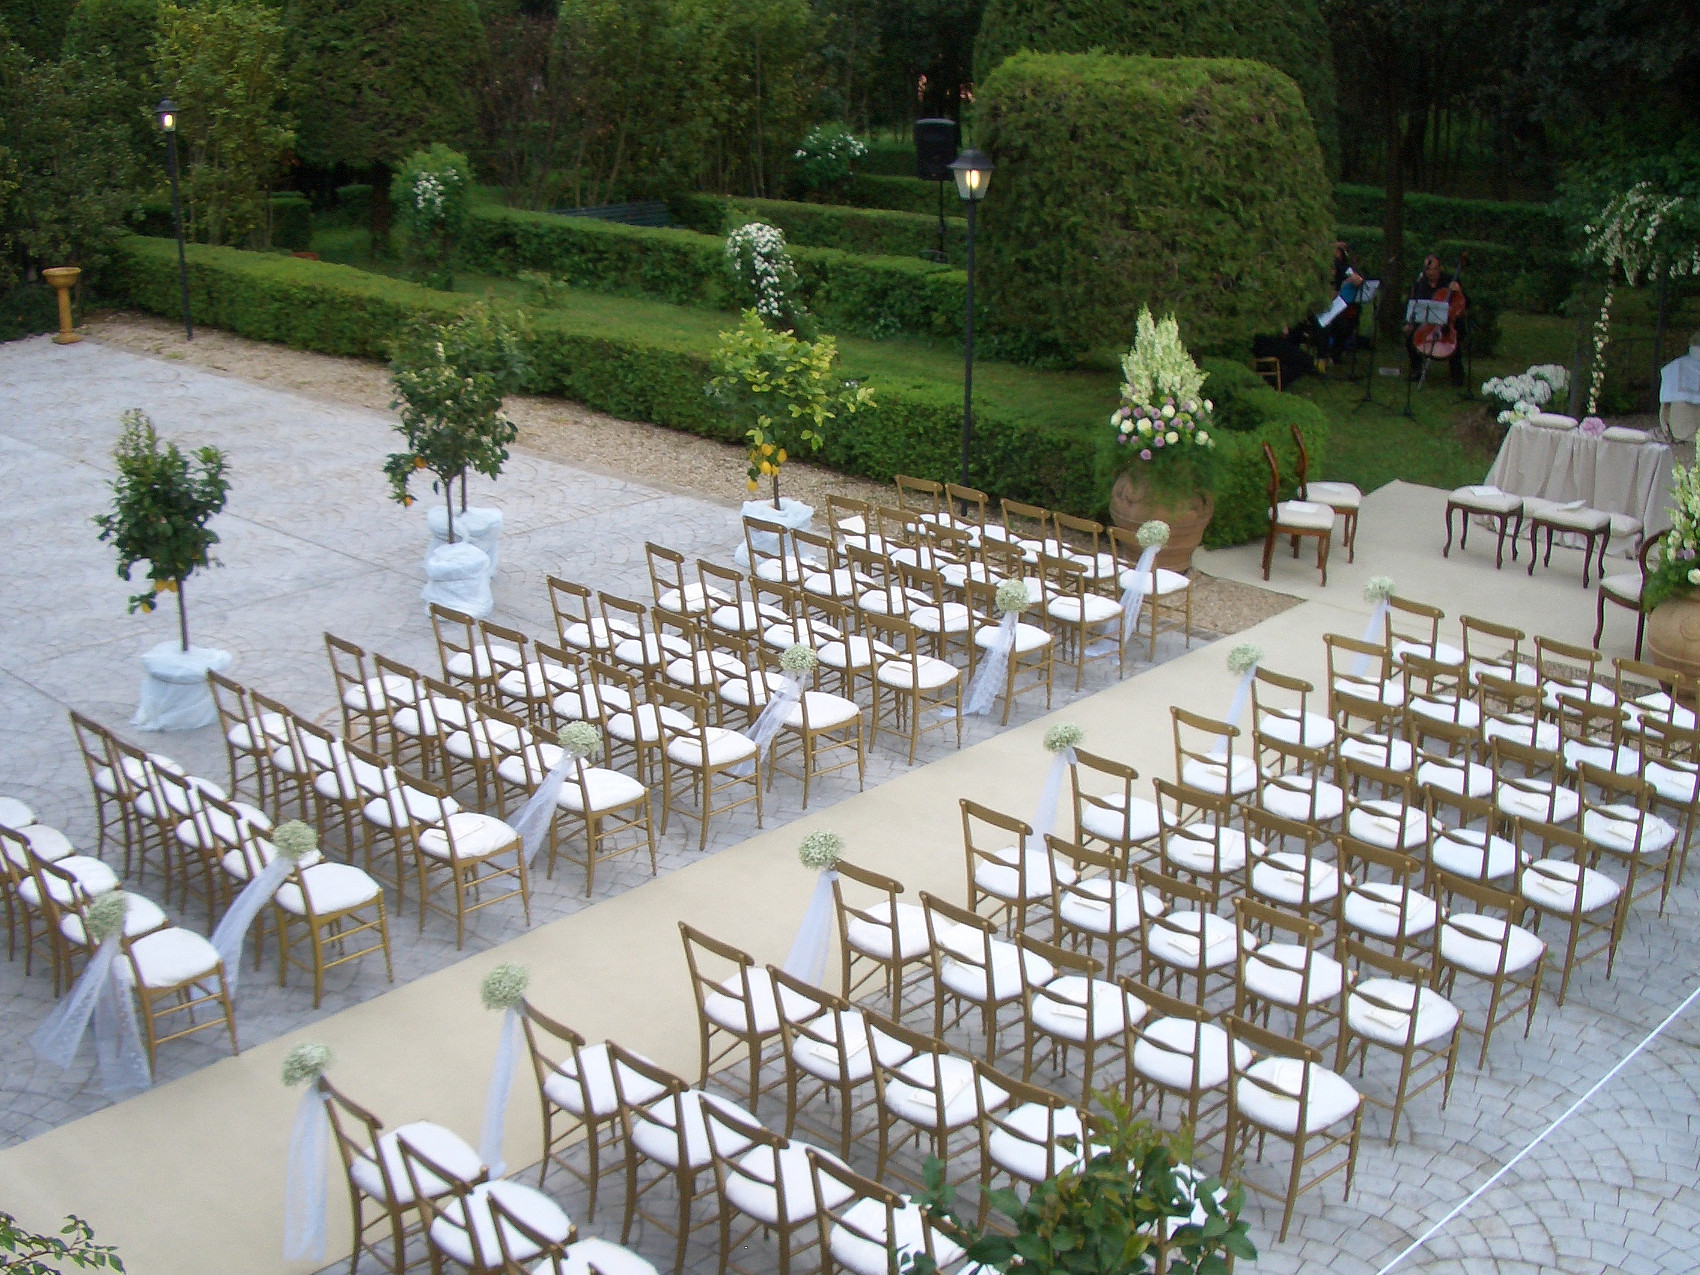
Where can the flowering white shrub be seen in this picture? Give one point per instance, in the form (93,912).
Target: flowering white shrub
(1528,392)
(758,257)
(827,154)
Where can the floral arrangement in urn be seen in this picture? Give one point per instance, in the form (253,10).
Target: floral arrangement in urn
(1161,440)
(1678,571)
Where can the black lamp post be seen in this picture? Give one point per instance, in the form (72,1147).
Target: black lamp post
(166,114)
(973,172)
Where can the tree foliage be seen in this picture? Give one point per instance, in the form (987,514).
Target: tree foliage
(221,61)
(76,172)
(126,30)
(161,505)
(431,192)
(27,1253)
(37,25)
(784,393)
(1288,35)
(449,380)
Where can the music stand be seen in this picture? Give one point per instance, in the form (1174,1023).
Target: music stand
(1370,295)
(1437,314)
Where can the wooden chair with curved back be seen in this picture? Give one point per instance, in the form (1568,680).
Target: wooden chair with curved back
(1628,589)
(1295,518)
(1344,499)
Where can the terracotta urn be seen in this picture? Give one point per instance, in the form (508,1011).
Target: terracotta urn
(1135,501)
(62,279)
(1673,634)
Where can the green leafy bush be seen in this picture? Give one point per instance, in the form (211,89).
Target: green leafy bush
(870,231)
(27,309)
(888,158)
(848,292)
(354,201)
(292,221)
(1112,193)
(1289,35)
(1443,217)
(431,192)
(825,156)
(635,372)
(902,194)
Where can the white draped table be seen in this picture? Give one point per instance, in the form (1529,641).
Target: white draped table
(1612,475)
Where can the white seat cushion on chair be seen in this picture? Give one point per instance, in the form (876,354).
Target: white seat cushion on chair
(1473,942)
(933,673)
(1439,652)
(142,916)
(481,662)
(655,1137)
(1095,904)
(1518,728)
(1625,587)
(1622,758)
(1213,774)
(171,956)
(726,1008)
(537,680)
(692,598)
(1312,731)
(443,1146)
(1460,712)
(1436,1016)
(1379,750)
(1077,1008)
(1374,907)
(583,1083)
(1206,848)
(1187,1040)
(1474,854)
(1339,496)
(1120,822)
(1583,519)
(850,1059)
(1302,798)
(1294,879)
(1278,972)
(1017,1142)
(421,719)
(875,939)
(476,837)
(14,814)
(92,876)
(1592,692)
(1303,515)
(1028,637)
(1617,828)
(1098,609)
(913,1099)
(531,1206)
(943,617)
(1457,775)
(482,738)
(45,841)
(1485,499)
(595,1255)
(1553,884)
(1330,1100)
(331,887)
(647,722)
(1657,705)
(862,1256)
(1391,693)
(968,977)
(724,748)
(1167,581)
(591,700)
(1003,878)
(1182,949)
(853,652)
(262,731)
(705,668)
(403,802)
(826,712)
(1388,824)
(1538,799)
(785,1187)
(1673,781)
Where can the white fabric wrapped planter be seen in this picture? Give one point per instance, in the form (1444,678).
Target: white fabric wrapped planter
(458,576)
(175,695)
(478,525)
(791,514)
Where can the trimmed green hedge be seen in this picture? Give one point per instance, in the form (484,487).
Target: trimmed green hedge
(1439,217)
(628,369)
(1289,35)
(887,158)
(900,194)
(292,222)
(851,293)
(1530,281)
(1111,194)
(871,231)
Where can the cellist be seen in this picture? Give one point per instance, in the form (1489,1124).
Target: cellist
(1437,284)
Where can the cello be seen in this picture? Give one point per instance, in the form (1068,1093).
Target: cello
(1440,341)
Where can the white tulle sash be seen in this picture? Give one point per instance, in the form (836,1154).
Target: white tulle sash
(1133,597)
(538,813)
(233,926)
(1045,818)
(490,1133)
(304,1189)
(990,676)
(1360,666)
(772,718)
(807,958)
(100,995)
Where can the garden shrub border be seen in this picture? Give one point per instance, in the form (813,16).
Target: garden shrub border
(1506,222)
(853,293)
(639,375)
(871,231)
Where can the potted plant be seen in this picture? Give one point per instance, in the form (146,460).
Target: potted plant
(450,380)
(161,505)
(1672,594)
(1107,1215)
(1160,442)
(784,393)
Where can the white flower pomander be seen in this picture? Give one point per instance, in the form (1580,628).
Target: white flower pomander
(1153,534)
(504,987)
(294,840)
(105,916)
(1012,597)
(1243,658)
(306,1062)
(821,851)
(1379,589)
(581,740)
(1063,735)
(798,660)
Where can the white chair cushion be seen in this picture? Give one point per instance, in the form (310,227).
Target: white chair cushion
(724,748)
(1485,499)
(750,691)
(1460,712)
(1095,905)
(648,722)
(1008,878)
(1205,848)
(1440,652)
(168,957)
(421,719)
(142,916)
(1077,1008)
(591,700)
(481,661)
(1313,731)
(1138,822)
(1028,637)
(1673,781)
(263,731)
(1456,775)
(875,939)
(1182,949)
(705,668)
(476,836)
(1334,494)
(1473,942)
(1098,609)
(932,673)
(1179,1042)
(595,1255)
(690,599)
(1388,824)
(967,977)
(853,652)
(1330,1100)
(1519,729)
(1304,515)
(93,876)
(1017,1142)
(1302,798)
(1473,853)
(1625,588)
(1618,828)
(1553,884)
(1552,420)
(826,712)
(483,738)
(14,814)
(584,1084)
(1436,1016)
(913,1098)
(331,887)
(404,802)
(727,1009)
(441,1145)
(1214,774)
(1537,799)
(1575,519)
(1294,879)
(594,636)
(944,617)
(537,680)
(1379,750)
(1390,693)
(851,1058)
(785,1185)
(1374,907)
(1167,581)
(1277,972)
(862,1256)
(655,1137)
(531,1206)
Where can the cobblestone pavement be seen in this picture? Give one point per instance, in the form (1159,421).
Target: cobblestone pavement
(310,544)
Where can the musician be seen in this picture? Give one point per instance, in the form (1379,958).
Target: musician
(1432,282)
(1341,330)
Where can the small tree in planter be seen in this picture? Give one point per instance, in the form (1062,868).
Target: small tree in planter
(450,380)
(430,194)
(784,392)
(1104,1217)
(161,505)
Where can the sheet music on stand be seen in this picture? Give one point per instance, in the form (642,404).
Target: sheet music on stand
(1361,296)
(1421,312)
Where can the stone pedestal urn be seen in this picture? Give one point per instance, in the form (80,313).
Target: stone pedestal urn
(1673,634)
(62,279)
(1135,501)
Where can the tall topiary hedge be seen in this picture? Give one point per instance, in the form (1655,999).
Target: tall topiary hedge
(1188,185)
(1289,35)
